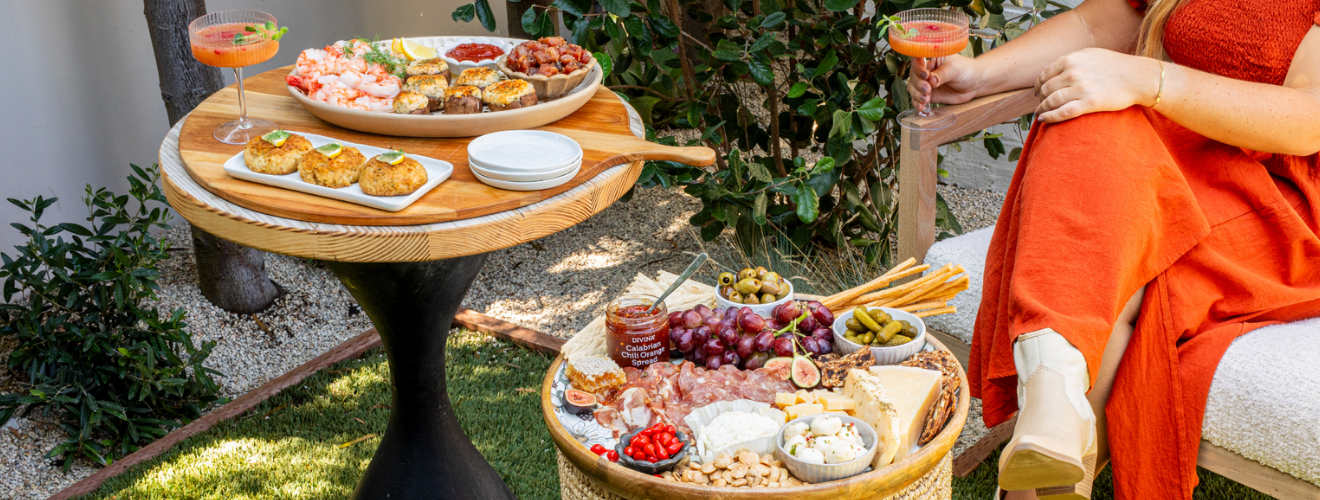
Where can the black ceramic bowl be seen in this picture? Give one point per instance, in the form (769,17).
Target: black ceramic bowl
(647,467)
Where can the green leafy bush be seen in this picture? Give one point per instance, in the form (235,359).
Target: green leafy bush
(114,372)
(799,97)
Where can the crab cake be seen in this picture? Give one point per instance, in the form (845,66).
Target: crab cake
(464,100)
(276,153)
(479,77)
(411,103)
(431,86)
(380,178)
(509,94)
(332,167)
(432,66)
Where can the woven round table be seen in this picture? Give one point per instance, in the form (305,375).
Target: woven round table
(408,270)
(924,475)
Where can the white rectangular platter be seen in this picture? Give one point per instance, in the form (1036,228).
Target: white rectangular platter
(437,171)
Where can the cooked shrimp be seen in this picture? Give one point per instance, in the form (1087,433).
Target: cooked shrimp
(338,75)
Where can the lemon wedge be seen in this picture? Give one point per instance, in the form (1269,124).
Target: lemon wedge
(393,157)
(331,150)
(277,137)
(413,51)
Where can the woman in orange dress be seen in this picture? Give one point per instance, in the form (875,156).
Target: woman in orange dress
(1166,202)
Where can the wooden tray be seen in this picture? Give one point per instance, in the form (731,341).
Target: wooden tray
(600,126)
(627,483)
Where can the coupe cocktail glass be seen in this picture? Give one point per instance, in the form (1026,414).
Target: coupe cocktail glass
(928,34)
(224,40)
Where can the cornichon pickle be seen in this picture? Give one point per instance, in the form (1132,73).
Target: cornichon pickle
(889,331)
(853,325)
(897,341)
(866,319)
(865,338)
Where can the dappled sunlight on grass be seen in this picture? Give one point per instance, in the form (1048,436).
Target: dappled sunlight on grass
(290,445)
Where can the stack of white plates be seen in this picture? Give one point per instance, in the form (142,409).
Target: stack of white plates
(524,160)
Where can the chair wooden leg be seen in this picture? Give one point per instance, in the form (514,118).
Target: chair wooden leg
(916,197)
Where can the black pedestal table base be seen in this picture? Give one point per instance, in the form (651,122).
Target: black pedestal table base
(424,453)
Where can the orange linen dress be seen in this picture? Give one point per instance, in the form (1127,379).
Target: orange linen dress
(1224,239)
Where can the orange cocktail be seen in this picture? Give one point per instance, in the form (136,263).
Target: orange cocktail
(234,39)
(927,34)
(928,39)
(214,46)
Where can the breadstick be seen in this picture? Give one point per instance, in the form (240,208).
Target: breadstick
(933,312)
(901,289)
(899,271)
(922,305)
(935,279)
(948,288)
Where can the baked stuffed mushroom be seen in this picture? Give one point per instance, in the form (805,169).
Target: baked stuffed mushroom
(509,94)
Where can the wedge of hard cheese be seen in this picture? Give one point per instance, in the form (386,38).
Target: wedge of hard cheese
(875,408)
(913,391)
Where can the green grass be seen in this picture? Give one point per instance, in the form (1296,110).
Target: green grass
(290,445)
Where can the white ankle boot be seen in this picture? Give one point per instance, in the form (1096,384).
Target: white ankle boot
(1053,449)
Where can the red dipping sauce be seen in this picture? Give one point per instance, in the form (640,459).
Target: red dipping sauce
(634,337)
(474,52)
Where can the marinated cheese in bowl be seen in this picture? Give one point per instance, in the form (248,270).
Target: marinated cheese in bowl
(732,428)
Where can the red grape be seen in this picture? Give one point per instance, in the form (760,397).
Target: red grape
(788,312)
(729,337)
(757,360)
(783,346)
(825,347)
(711,322)
(809,344)
(674,335)
(686,342)
(823,333)
(713,362)
(745,310)
(824,315)
(701,334)
(698,355)
(731,358)
(812,305)
(773,325)
(745,346)
(691,319)
(713,346)
(764,341)
(703,310)
(751,323)
(731,312)
(808,325)
(675,319)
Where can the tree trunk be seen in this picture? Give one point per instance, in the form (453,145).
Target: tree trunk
(232,276)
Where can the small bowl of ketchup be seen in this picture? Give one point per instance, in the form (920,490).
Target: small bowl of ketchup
(469,52)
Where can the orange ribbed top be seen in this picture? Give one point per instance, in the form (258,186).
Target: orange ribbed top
(1253,41)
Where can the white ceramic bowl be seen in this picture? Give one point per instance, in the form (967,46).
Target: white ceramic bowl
(820,473)
(883,355)
(524,150)
(522,176)
(761,309)
(528,186)
(456,66)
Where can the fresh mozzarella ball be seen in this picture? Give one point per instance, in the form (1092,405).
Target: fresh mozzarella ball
(799,440)
(825,443)
(849,433)
(795,429)
(826,426)
(810,455)
(840,454)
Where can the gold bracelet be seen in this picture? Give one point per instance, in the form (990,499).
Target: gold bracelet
(1159,94)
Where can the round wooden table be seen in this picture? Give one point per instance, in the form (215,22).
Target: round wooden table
(408,270)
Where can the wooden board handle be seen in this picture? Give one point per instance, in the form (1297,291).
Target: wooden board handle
(634,149)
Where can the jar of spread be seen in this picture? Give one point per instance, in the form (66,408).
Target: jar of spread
(633,336)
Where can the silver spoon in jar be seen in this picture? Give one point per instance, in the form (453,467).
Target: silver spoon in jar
(692,268)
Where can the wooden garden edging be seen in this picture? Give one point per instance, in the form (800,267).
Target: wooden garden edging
(350,349)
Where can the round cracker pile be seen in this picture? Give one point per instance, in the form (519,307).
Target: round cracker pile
(747,471)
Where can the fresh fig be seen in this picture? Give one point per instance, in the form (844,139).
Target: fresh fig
(576,401)
(805,374)
(780,365)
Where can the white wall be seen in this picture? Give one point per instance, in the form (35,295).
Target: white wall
(81,98)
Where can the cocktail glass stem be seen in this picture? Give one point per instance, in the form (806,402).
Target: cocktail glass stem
(243,129)
(242,102)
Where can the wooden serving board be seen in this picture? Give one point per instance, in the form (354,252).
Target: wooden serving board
(600,126)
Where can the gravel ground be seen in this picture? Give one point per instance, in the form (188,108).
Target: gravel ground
(555,285)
